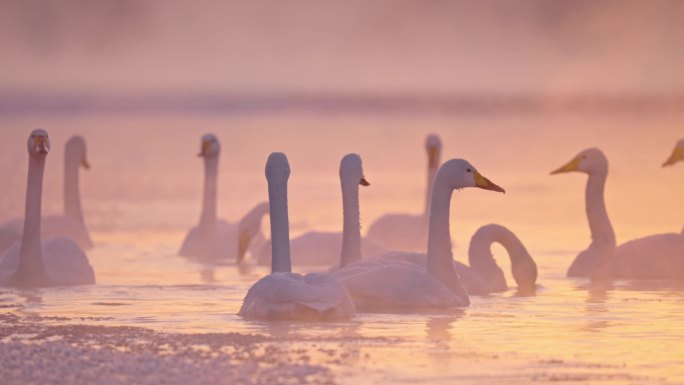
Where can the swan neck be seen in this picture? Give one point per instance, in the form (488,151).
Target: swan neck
(351,231)
(72,193)
(439,256)
(431,174)
(280,227)
(208,216)
(601,229)
(30,257)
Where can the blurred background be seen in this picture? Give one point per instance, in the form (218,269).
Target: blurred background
(518,88)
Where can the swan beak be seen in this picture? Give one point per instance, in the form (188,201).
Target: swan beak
(573,165)
(85,164)
(206,147)
(677,155)
(364,182)
(433,157)
(41,145)
(244,240)
(486,184)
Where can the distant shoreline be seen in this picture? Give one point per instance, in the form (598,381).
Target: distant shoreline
(21,103)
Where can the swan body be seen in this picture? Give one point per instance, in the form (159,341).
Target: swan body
(409,232)
(484,276)
(653,257)
(32,262)
(283,295)
(70,224)
(395,280)
(65,263)
(215,239)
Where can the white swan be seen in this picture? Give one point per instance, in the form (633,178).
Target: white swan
(70,225)
(283,294)
(215,239)
(677,154)
(393,282)
(408,232)
(325,248)
(484,276)
(656,256)
(33,263)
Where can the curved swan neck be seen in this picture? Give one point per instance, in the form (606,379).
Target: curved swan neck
(351,231)
(280,226)
(31,270)
(208,216)
(480,255)
(72,194)
(255,214)
(601,229)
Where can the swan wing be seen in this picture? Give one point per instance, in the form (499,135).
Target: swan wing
(376,283)
(653,257)
(294,296)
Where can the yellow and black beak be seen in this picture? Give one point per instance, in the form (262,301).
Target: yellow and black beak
(243,244)
(486,184)
(85,164)
(364,182)
(677,155)
(206,148)
(570,166)
(41,145)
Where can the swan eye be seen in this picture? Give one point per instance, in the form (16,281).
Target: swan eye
(469,170)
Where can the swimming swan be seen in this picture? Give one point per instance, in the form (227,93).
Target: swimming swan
(385,282)
(215,239)
(408,232)
(655,256)
(33,263)
(283,294)
(324,248)
(484,275)
(71,224)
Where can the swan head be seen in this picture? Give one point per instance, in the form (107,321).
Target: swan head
(76,145)
(433,146)
(677,154)
(351,169)
(38,143)
(460,173)
(211,147)
(277,167)
(589,161)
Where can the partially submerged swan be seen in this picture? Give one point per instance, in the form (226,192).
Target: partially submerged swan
(483,275)
(71,224)
(283,294)
(408,232)
(387,282)
(655,256)
(34,263)
(325,248)
(216,239)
